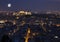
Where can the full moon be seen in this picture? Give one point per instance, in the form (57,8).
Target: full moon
(9,5)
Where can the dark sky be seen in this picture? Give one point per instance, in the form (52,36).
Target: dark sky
(33,5)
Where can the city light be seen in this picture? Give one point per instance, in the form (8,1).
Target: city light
(56,37)
(2,21)
(27,35)
(29,26)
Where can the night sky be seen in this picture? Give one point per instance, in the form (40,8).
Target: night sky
(32,5)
